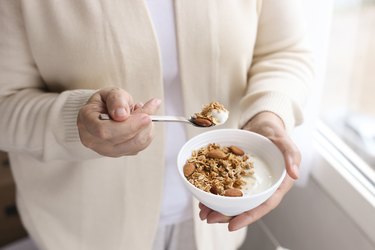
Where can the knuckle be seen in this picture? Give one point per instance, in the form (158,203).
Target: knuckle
(141,142)
(115,91)
(102,133)
(84,111)
(88,144)
(145,138)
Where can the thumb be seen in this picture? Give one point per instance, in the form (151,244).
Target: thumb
(118,103)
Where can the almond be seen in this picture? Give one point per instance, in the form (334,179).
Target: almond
(214,190)
(189,169)
(216,154)
(236,150)
(202,122)
(233,192)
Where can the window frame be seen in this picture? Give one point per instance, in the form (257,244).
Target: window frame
(339,171)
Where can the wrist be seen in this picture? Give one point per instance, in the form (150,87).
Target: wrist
(265,118)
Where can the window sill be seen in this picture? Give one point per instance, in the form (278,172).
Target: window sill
(346,178)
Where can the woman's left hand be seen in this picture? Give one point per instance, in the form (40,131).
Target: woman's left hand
(271,126)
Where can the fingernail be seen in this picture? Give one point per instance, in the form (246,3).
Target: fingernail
(139,105)
(145,119)
(296,170)
(233,228)
(120,112)
(201,216)
(239,225)
(156,101)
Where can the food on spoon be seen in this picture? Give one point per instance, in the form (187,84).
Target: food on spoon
(212,114)
(202,122)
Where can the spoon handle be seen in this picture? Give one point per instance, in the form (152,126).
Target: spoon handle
(155,118)
(168,118)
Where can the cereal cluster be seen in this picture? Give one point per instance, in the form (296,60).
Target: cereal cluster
(205,118)
(219,169)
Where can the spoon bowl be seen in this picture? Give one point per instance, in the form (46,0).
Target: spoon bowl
(197,122)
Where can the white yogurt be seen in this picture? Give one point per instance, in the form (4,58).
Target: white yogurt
(261,180)
(219,116)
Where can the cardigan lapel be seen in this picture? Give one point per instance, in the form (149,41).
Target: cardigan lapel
(197,37)
(134,48)
(136,59)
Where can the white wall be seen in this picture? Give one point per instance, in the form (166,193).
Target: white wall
(308,219)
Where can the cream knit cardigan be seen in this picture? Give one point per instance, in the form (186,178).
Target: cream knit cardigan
(249,55)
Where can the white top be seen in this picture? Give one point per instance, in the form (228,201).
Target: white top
(177,203)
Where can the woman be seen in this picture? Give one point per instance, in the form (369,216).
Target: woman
(84,183)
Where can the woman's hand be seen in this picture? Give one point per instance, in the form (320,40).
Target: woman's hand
(271,126)
(128,132)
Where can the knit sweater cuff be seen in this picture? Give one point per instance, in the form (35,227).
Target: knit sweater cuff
(75,100)
(64,131)
(274,102)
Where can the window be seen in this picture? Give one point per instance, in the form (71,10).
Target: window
(345,132)
(348,101)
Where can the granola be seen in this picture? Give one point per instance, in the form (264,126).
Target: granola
(219,169)
(213,113)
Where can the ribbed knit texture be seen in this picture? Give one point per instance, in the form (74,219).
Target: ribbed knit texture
(74,102)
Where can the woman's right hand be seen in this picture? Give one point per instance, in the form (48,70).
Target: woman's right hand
(130,129)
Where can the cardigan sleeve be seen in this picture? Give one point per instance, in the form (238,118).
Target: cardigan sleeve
(33,120)
(281,72)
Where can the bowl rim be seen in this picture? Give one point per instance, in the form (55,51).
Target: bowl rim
(220,197)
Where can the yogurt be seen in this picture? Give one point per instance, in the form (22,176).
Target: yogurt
(219,116)
(261,180)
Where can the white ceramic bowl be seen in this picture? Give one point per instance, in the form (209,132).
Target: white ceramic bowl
(252,144)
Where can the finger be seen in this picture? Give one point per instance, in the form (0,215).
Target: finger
(204,211)
(149,107)
(133,146)
(112,132)
(255,214)
(136,127)
(216,217)
(137,106)
(140,141)
(118,103)
(92,142)
(271,126)
(129,144)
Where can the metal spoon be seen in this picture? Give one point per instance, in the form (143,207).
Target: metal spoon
(197,122)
